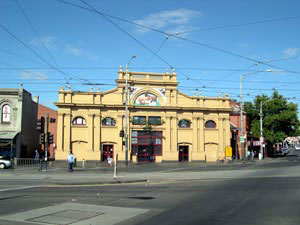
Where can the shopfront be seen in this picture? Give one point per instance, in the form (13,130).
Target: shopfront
(146,145)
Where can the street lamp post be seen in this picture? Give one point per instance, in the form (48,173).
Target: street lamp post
(261,133)
(126,112)
(242,135)
(261,155)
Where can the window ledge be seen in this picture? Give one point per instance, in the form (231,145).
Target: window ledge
(83,126)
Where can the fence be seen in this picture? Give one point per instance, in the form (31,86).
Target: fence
(27,162)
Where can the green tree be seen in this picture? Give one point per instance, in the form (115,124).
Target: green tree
(280,117)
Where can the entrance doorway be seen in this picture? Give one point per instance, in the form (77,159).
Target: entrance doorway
(107,152)
(146,145)
(183,153)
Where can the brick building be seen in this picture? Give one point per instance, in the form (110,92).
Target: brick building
(42,112)
(235,126)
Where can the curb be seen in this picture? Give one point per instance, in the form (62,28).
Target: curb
(101,183)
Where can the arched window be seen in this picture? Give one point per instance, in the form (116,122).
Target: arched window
(5,117)
(108,121)
(79,121)
(184,123)
(210,124)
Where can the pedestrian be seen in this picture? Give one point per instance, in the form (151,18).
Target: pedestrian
(37,155)
(71,159)
(249,154)
(109,160)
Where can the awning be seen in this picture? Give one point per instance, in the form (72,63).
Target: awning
(7,135)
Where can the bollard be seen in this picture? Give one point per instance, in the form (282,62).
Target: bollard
(115,167)
(83,163)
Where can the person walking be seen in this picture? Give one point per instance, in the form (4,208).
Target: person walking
(37,155)
(71,159)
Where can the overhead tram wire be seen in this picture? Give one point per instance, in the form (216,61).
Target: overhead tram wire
(22,57)
(40,57)
(239,24)
(139,68)
(139,42)
(156,52)
(26,71)
(36,32)
(231,81)
(181,38)
(256,64)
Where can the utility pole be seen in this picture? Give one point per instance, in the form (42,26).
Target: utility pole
(126,117)
(242,140)
(46,140)
(261,133)
(242,135)
(127,130)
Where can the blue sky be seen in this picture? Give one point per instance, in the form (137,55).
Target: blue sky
(211,43)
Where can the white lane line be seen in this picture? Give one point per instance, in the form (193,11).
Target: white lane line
(172,170)
(19,188)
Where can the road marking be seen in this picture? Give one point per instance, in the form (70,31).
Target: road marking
(172,170)
(20,188)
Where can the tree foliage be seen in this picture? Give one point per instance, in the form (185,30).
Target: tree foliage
(280,117)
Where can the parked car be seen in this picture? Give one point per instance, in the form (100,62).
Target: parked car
(285,151)
(4,163)
(279,152)
(297,147)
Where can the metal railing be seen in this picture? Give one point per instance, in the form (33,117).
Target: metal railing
(27,162)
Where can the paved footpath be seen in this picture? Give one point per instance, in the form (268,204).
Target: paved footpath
(146,172)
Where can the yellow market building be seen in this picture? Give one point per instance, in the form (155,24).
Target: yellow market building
(164,123)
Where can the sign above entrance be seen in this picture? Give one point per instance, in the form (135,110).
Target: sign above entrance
(147,99)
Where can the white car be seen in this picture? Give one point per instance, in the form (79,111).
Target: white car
(297,147)
(4,163)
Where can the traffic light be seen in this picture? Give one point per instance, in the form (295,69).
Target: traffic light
(40,124)
(50,138)
(121,133)
(42,138)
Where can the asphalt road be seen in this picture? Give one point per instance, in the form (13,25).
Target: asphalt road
(249,194)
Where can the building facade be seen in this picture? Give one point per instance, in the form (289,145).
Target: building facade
(52,126)
(18,134)
(235,125)
(164,123)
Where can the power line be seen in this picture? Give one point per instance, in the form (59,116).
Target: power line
(181,38)
(239,24)
(36,32)
(38,76)
(161,45)
(40,57)
(136,68)
(22,57)
(139,42)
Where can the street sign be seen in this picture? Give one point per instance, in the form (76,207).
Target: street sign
(228,151)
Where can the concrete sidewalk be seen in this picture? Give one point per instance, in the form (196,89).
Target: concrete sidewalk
(135,173)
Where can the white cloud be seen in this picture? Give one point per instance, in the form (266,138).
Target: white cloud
(73,50)
(31,75)
(76,51)
(291,52)
(168,19)
(48,41)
